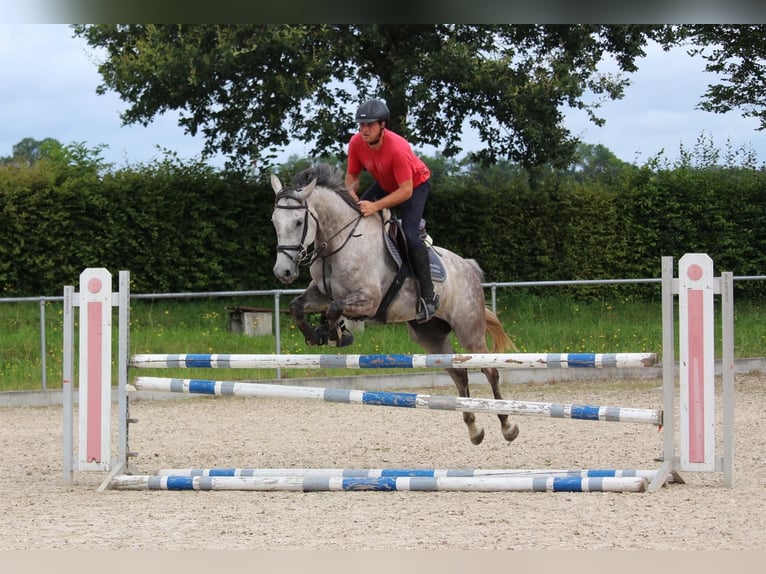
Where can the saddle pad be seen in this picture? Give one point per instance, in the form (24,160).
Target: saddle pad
(438,272)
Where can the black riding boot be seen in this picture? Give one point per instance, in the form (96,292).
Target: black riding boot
(421,267)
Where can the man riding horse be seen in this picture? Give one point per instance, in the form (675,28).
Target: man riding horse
(402,181)
(319,225)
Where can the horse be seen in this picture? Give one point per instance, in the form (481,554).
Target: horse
(318,224)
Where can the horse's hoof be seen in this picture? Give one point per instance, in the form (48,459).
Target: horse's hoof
(511,433)
(478,437)
(342,338)
(321,336)
(347,339)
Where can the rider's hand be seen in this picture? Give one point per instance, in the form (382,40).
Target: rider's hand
(367,207)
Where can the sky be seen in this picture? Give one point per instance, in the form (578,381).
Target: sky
(49,85)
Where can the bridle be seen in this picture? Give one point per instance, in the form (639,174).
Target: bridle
(301,251)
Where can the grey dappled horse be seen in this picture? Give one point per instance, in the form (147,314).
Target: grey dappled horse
(319,224)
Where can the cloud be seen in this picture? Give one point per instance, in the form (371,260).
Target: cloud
(50,80)
(658,112)
(49,90)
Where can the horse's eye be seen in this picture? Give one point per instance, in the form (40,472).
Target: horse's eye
(299,223)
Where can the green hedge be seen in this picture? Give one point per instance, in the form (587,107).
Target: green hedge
(564,229)
(187,227)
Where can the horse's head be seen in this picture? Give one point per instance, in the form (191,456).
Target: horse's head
(296,228)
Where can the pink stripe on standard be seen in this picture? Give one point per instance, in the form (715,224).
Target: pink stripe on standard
(95,362)
(696,366)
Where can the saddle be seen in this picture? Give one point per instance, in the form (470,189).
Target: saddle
(396,245)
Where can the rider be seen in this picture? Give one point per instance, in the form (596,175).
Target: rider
(402,180)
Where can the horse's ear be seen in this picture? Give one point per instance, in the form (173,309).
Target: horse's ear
(275,183)
(306,191)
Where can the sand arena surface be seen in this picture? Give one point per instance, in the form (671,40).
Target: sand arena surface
(39,512)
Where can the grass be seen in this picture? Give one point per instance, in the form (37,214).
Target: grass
(537,324)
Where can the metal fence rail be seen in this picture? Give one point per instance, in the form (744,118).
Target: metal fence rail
(277,294)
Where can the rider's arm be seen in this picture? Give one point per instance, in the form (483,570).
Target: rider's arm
(352,184)
(400,195)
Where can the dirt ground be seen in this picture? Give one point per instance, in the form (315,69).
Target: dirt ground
(40,513)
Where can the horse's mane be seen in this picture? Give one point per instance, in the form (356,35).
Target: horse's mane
(327,176)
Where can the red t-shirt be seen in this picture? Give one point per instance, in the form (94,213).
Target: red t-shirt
(392,164)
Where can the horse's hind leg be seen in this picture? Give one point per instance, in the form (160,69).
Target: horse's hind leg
(472,339)
(460,378)
(510,430)
(433,337)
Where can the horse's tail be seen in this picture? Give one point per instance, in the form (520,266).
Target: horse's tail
(500,339)
(476,268)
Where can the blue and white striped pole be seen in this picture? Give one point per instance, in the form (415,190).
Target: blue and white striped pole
(389,483)
(396,361)
(405,400)
(402,472)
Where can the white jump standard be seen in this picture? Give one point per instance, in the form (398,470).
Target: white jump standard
(696,451)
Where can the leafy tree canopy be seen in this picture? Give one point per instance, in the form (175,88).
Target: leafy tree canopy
(29,150)
(74,158)
(736,53)
(252,89)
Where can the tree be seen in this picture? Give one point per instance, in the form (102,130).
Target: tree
(29,150)
(596,162)
(738,54)
(250,89)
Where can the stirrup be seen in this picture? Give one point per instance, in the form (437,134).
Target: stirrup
(427,308)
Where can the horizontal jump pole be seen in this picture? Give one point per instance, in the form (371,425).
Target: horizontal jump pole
(405,400)
(465,361)
(391,483)
(648,474)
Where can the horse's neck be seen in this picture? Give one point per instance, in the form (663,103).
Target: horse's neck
(353,245)
(335,216)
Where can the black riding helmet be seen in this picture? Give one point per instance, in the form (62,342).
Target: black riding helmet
(372,111)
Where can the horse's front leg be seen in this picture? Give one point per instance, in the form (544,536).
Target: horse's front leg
(337,332)
(360,303)
(315,301)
